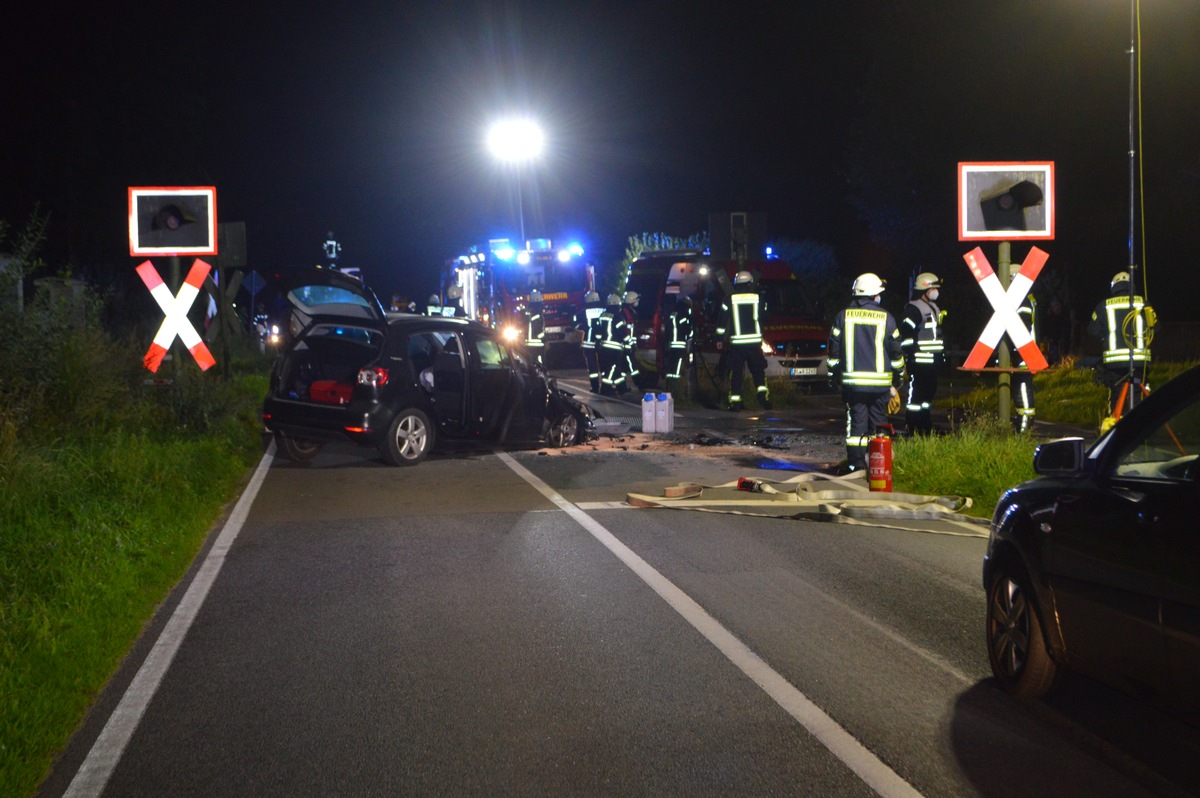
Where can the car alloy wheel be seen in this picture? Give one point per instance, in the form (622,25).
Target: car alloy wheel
(409,438)
(564,431)
(1015,641)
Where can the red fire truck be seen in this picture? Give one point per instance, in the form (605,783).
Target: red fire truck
(795,334)
(497,280)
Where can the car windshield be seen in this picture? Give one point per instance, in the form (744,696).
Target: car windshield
(1167,449)
(786,298)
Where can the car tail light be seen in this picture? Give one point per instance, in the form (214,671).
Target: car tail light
(376,378)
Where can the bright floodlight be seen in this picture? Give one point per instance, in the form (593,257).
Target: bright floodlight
(515,140)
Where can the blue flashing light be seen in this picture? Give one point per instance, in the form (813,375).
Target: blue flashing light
(770,252)
(576,250)
(506,253)
(563,256)
(523,257)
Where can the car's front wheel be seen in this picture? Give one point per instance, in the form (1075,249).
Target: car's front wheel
(410,438)
(563,430)
(1015,640)
(300,450)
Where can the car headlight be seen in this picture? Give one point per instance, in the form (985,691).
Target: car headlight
(766,348)
(511,334)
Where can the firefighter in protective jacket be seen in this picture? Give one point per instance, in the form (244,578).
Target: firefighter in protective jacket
(741,329)
(629,305)
(866,360)
(1124,324)
(921,340)
(535,337)
(679,339)
(586,322)
(610,334)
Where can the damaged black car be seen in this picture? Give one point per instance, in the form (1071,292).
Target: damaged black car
(405,384)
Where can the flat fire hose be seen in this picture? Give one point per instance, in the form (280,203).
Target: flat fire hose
(821,497)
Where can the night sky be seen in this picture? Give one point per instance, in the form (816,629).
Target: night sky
(843,121)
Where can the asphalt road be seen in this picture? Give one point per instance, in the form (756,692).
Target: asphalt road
(489,624)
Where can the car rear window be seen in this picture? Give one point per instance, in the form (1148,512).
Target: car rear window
(331,301)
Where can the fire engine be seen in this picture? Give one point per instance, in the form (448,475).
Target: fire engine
(496,281)
(795,335)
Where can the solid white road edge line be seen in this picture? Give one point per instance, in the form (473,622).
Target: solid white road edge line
(97,768)
(868,767)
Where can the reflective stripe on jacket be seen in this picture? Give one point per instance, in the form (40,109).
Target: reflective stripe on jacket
(864,347)
(611,330)
(921,334)
(680,327)
(1117,342)
(536,330)
(587,323)
(740,319)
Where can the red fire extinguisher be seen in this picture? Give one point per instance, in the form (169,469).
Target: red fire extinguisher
(879,459)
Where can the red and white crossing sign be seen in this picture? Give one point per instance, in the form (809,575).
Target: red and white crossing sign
(176,321)
(1006,305)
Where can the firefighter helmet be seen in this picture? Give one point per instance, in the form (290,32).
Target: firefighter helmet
(613,299)
(1119,277)
(631,297)
(592,297)
(685,301)
(434,299)
(927,280)
(743,277)
(454,292)
(535,295)
(867,284)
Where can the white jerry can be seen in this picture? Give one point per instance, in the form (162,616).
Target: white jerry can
(649,414)
(664,412)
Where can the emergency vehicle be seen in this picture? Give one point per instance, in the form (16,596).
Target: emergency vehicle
(795,335)
(497,280)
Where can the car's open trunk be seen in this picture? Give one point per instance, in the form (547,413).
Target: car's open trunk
(323,366)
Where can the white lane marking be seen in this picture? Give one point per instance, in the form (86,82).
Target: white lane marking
(102,759)
(868,767)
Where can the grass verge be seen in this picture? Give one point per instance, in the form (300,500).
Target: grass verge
(978,458)
(99,533)
(108,488)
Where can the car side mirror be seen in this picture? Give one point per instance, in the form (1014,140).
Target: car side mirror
(1062,457)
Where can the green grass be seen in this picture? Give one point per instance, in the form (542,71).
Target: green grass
(97,533)
(978,458)
(108,487)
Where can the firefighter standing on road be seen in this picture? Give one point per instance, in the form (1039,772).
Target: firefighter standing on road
(586,322)
(1124,324)
(610,335)
(629,311)
(921,341)
(741,328)
(679,329)
(866,359)
(535,336)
